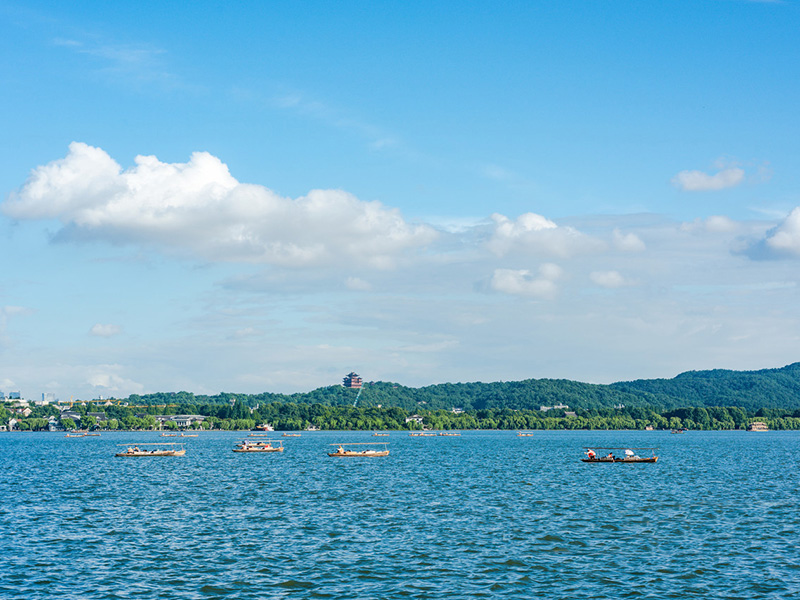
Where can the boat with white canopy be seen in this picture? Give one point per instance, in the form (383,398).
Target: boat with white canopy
(144,450)
(348,452)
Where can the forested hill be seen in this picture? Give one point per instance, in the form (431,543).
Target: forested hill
(769,388)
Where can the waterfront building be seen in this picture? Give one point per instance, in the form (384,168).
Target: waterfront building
(182,421)
(414,419)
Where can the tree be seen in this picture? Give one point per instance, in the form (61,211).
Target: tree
(68,424)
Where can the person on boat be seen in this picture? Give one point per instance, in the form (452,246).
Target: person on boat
(610,456)
(340,450)
(268,446)
(591,454)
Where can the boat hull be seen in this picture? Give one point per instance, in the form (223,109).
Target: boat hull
(651,459)
(367,454)
(258,449)
(155,453)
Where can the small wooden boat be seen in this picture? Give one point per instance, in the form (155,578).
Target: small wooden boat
(145,450)
(71,435)
(681,430)
(169,435)
(188,435)
(376,434)
(422,434)
(629,456)
(291,435)
(341,452)
(524,434)
(92,434)
(261,446)
(449,434)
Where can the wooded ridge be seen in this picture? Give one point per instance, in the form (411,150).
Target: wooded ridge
(751,390)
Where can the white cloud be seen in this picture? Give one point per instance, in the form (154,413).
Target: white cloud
(608,279)
(627,242)
(535,233)
(721,224)
(244,333)
(521,282)
(354,283)
(198,209)
(785,238)
(111,382)
(713,224)
(100,330)
(699,181)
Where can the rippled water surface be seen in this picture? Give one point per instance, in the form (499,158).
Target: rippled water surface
(484,515)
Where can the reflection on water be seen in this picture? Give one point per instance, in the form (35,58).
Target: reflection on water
(483,515)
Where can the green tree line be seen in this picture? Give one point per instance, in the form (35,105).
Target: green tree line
(292,416)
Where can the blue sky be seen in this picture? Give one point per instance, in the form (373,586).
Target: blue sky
(266,196)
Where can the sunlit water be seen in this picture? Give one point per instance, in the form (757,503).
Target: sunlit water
(484,515)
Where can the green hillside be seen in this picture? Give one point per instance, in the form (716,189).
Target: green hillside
(768,388)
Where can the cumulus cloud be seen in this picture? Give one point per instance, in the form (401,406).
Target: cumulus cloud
(100,330)
(534,233)
(721,224)
(785,238)
(523,283)
(112,382)
(699,181)
(627,242)
(608,279)
(199,209)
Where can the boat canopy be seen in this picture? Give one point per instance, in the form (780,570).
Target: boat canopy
(361,444)
(153,444)
(616,448)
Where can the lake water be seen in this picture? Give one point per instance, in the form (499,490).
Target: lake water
(484,515)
